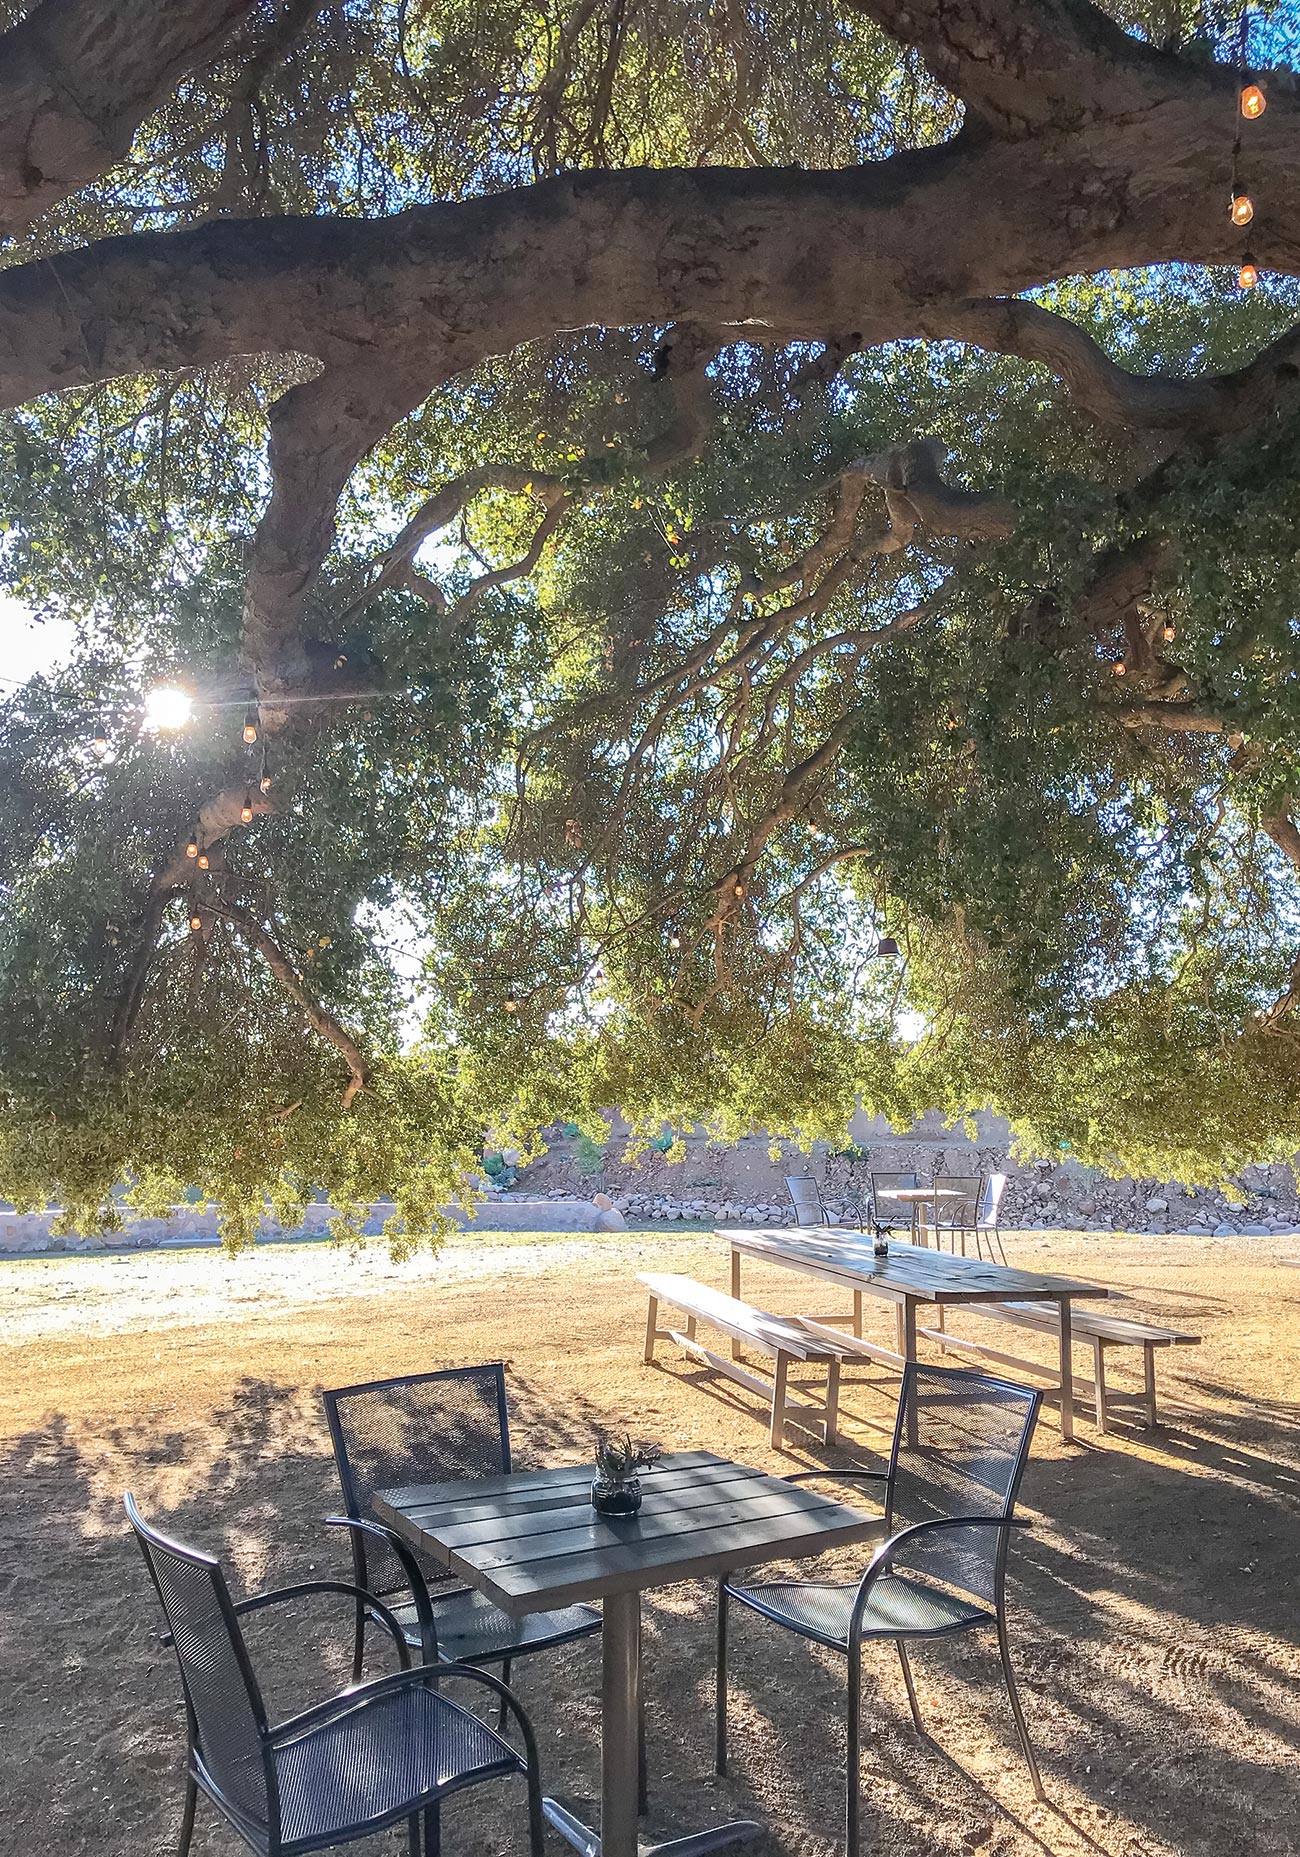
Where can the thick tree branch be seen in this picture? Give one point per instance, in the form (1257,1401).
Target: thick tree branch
(78,77)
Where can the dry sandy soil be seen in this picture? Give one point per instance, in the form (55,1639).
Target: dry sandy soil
(1155,1606)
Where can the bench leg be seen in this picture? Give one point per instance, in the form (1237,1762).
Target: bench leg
(735,1290)
(832,1401)
(776,1435)
(1099,1381)
(1149,1378)
(1067,1372)
(651,1328)
(857,1313)
(692,1327)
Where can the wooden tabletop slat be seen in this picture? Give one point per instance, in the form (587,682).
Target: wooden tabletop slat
(906,1270)
(532,1541)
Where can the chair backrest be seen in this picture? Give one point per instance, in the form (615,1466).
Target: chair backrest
(883,1185)
(995,1187)
(961,1441)
(962,1208)
(425,1428)
(806,1198)
(226,1712)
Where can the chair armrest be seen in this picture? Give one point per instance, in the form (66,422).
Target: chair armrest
(281,1595)
(883,1558)
(431,1676)
(410,1567)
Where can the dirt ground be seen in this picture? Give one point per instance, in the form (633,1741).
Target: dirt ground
(1155,1605)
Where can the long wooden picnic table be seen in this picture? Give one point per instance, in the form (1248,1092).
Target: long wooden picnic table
(911,1275)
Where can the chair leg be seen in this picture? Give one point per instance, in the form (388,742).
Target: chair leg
(906,1662)
(433,1830)
(1002,1249)
(413,1835)
(536,1821)
(854,1751)
(187,1816)
(358,1641)
(1013,1696)
(720,1704)
(506,1663)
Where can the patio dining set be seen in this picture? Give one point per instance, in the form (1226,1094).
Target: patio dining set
(463,1566)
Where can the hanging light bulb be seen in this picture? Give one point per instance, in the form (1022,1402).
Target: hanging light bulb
(674,942)
(192,848)
(1253,102)
(510,1004)
(246,810)
(250,726)
(1242,209)
(341,660)
(1119,667)
(101,737)
(738,889)
(204,860)
(1247,276)
(1169,631)
(196,923)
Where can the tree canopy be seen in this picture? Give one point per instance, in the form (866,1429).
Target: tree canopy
(674,496)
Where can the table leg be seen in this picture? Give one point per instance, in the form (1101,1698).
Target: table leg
(620,1700)
(857,1313)
(735,1290)
(1067,1372)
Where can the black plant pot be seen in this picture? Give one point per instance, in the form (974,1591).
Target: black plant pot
(616,1496)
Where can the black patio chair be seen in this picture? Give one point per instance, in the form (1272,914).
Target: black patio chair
(370,1757)
(809,1203)
(961,1439)
(432,1428)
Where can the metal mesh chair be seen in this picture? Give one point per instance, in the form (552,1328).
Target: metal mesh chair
(961,1439)
(367,1758)
(955,1208)
(987,1225)
(809,1202)
(432,1428)
(886,1211)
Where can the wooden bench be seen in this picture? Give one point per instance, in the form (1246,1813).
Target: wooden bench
(1097,1326)
(784,1338)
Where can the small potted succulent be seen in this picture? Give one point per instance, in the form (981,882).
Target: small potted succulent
(616,1487)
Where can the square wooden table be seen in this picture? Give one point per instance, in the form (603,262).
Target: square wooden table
(909,1275)
(532,1542)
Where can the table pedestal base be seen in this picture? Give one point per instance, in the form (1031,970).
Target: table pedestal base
(620,1699)
(692,1844)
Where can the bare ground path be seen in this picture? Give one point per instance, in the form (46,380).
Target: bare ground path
(1156,1607)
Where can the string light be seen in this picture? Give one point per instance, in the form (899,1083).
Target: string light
(1169,631)
(192,848)
(1247,276)
(101,738)
(246,810)
(1119,667)
(886,948)
(1253,102)
(196,923)
(511,1004)
(250,726)
(674,942)
(738,889)
(1243,209)
(204,860)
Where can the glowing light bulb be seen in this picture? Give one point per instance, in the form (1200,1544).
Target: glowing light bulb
(264,783)
(101,739)
(1169,633)
(674,942)
(250,726)
(1120,667)
(341,660)
(246,810)
(738,889)
(1253,102)
(511,1005)
(1247,276)
(204,860)
(192,848)
(196,923)
(1243,209)
(167,706)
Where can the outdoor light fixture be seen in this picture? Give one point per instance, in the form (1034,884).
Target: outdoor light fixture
(204,860)
(250,726)
(101,739)
(1247,276)
(1168,632)
(886,948)
(674,942)
(196,923)
(192,848)
(739,889)
(511,1005)
(1253,102)
(1119,667)
(167,706)
(1243,209)
(246,810)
